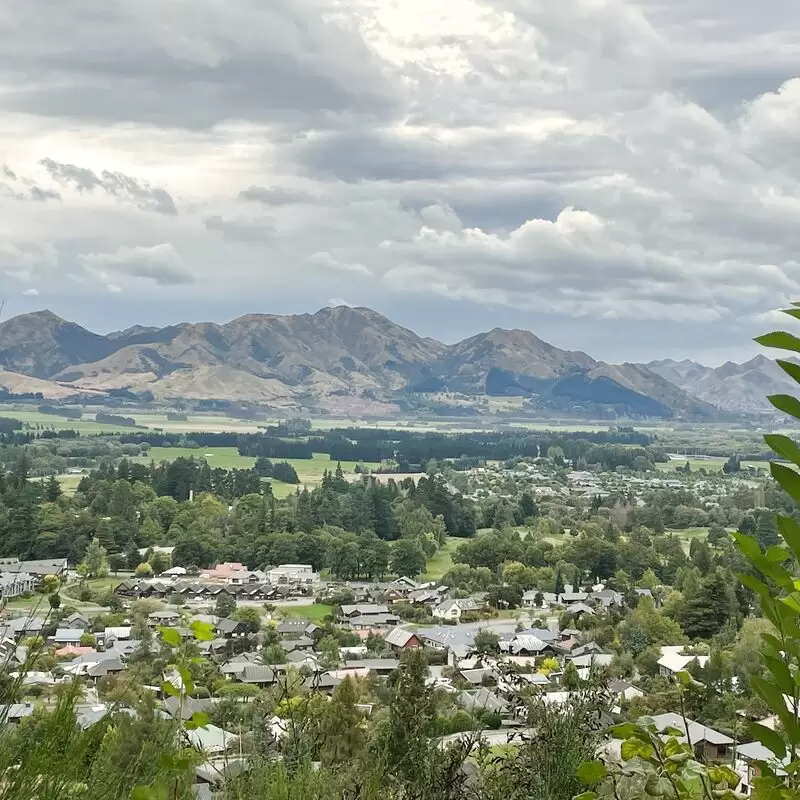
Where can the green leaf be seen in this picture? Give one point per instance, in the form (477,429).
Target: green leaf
(777,553)
(780,339)
(186,677)
(747,545)
(199,720)
(657,787)
(636,748)
(786,403)
(753,583)
(790,368)
(773,641)
(788,478)
(719,773)
(790,530)
(586,796)
(169,689)
(770,739)
(783,446)
(624,730)
(591,772)
(202,631)
(170,636)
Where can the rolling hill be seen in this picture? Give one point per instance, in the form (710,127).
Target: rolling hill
(327,359)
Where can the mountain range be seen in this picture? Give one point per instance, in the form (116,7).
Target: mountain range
(740,388)
(344,359)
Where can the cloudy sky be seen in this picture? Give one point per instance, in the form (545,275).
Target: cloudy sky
(618,177)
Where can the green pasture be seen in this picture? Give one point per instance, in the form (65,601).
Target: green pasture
(442,561)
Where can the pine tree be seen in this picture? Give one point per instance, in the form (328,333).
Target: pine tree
(52,489)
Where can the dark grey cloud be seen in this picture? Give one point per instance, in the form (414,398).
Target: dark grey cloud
(117,184)
(193,68)
(275,195)
(258,230)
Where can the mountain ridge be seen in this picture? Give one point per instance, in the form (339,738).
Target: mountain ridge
(335,356)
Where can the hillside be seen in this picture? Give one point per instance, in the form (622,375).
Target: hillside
(328,360)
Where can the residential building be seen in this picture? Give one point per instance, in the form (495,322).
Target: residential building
(292,573)
(453,609)
(673,660)
(708,744)
(14,584)
(402,639)
(65,636)
(166,617)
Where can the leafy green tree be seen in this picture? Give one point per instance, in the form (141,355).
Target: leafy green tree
(486,642)
(408,558)
(225,605)
(94,560)
(249,617)
(343,727)
(52,489)
(143,570)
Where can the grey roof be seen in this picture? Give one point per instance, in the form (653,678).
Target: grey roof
(476,676)
(299,656)
(164,614)
(68,634)
(525,643)
(228,625)
(596,659)
(15,711)
(697,732)
(374,664)
(296,644)
(545,634)
(589,647)
(25,624)
(482,700)
(104,667)
(258,673)
(579,608)
(572,597)
(373,620)
(399,637)
(188,706)
(42,566)
(366,608)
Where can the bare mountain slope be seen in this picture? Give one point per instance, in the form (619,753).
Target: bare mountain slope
(323,358)
(741,388)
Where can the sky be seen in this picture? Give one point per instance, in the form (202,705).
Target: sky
(618,177)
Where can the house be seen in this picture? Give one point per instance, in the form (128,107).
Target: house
(110,666)
(222,571)
(482,700)
(258,674)
(167,618)
(64,636)
(14,584)
(623,690)
(746,764)
(402,639)
(13,713)
(245,577)
(183,708)
(173,572)
(362,609)
(478,676)
(292,573)
(584,649)
(379,666)
(579,610)
(70,650)
(605,598)
(292,628)
(38,569)
(526,645)
(371,622)
(212,740)
(673,661)
(708,744)
(453,609)
(303,658)
(231,628)
(591,660)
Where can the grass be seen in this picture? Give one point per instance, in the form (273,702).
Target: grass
(69,483)
(225,457)
(442,561)
(313,611)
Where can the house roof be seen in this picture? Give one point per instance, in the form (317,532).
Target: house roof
(68,634)
(400,637)
(524,642)
(258,673)
(579,608)
(592,659)
(15,711)
(476,676)
(163,614)
(374,664)
(104,667)
(212,739)
(696,731)
(482,700)
(228,625)
(675,662)
(365,608)
(373,620)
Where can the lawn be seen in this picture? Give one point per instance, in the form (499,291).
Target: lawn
(225,457)
(69,483)
(442,560)
(309,470)
(313,611)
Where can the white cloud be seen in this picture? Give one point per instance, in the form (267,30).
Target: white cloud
(613,162)
(159,263)
(31,293)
